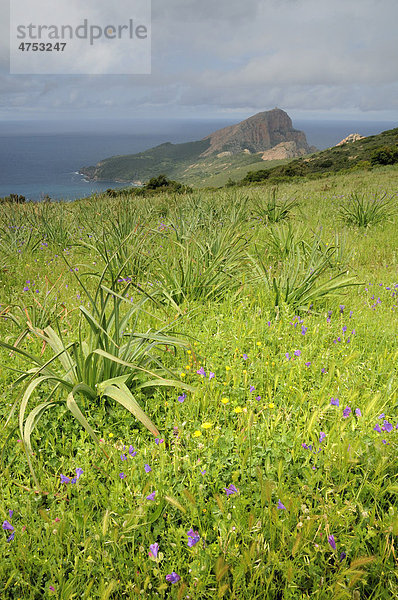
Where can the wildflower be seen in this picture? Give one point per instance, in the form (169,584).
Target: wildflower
(227,368)
(193,538)
(245,357)
(159,441)
(64,479)
(346,412)
(10,512)
(304,330)
(153,550)
(258,398)
(358,412)
(287,356)
(110,435)
(251,389)
(342,556)
(197,433)
(258,344)
(224,400)
(281,506)
(332,541)
(182,398)
(132,452)
(207,425)
(151,496)
(122,476)
(51,588)
(123,457)
(238,410)
(147,468)
(381,416)
(342,307)
(231,489)
(271,405)
(211,375)
(201,372)
(322,436)
(334,402)
(387,427)
(7,526)
(307,364)
(377,428)
(173,578)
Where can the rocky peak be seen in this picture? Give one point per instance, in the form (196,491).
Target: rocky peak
(257,134)
(353,137)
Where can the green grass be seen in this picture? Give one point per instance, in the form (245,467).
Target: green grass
(276,368)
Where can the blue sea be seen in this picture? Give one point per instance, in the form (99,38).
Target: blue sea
(43,159)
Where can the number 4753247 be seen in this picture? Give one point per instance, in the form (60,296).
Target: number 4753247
(42,47)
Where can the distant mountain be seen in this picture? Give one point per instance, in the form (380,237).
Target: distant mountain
(246,142)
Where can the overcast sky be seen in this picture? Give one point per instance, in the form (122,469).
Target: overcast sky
(220,58)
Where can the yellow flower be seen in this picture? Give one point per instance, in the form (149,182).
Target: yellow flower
(188,367)
(238,410)
(188,352)
(224,400)
(182,375)
(259,344)
(271,405)
(207,425)
(111,435)
(244,371)
(227,368)
(197,433)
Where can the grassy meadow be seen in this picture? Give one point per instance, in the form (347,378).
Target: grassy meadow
(200,394)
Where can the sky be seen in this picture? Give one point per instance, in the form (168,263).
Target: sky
(326,59)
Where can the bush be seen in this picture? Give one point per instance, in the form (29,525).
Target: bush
(387,155)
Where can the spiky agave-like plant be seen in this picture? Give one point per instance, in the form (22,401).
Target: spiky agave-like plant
(111,358)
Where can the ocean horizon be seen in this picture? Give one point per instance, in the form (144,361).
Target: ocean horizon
(44,160)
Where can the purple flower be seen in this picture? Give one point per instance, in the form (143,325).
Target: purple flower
(193,537)
(387,427)
(122,475)
(10,512)
(377,428)
(287,356)
(201,372)
(79,473)
(307,364)
(245,357)
(297,352)
(332,541)
(153,550)
(342,307)
(151,496)
(342,556)
(132,452)
(322,436)
(182,398)
(147,468)
(252,388)
(51,588)
(11,537)
(381,416)
(304,330)
(7,526)
(64,479)
(358,412)
(173,578)
(281,506)
(211,375)
(346,412)
(159,441)
(123,457)
(334,402)
(231,489)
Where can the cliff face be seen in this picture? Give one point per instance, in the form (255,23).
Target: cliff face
(258,133)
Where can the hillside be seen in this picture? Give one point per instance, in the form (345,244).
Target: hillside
(362,153)
(236,146)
